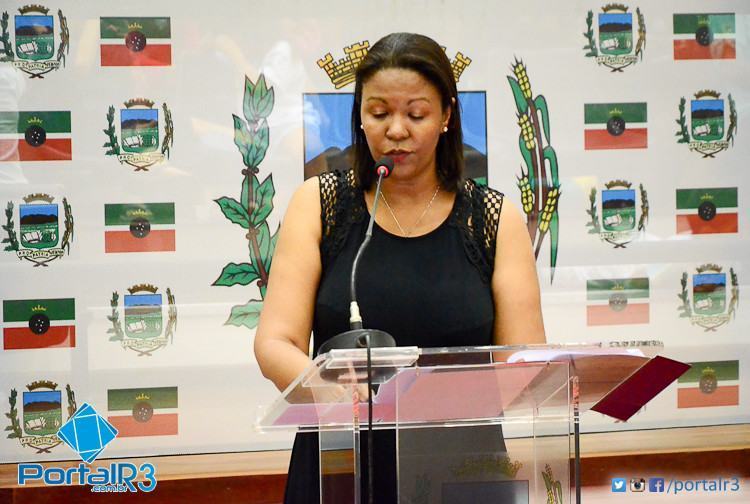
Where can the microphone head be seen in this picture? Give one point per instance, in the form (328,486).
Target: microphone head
(384,166)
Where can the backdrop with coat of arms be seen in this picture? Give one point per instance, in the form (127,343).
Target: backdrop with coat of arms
(148,152)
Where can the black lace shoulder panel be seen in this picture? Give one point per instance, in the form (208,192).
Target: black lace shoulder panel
(341,206)
(478,215)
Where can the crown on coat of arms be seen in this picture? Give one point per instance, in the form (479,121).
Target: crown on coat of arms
(709,267)
(615,7)
(38,197)
(707,92)
(139,102)
(618,183)
(33,8)
(343,71)
(143,288)
(48,384)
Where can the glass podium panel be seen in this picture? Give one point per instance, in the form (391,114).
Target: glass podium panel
(451,425)
(455,425)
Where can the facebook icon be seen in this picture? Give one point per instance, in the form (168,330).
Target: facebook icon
(656,484)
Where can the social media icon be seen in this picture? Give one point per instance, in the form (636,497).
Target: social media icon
(656,484)
(619,485)
(637,484)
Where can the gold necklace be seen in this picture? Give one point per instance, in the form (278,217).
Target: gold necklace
(395,219)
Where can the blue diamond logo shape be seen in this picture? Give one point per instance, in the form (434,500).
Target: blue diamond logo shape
(87,433)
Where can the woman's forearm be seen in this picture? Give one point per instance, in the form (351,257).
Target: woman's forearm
(280,361)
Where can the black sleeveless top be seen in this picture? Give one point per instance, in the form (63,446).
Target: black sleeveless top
(427,291)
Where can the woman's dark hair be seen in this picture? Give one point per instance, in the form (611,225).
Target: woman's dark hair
(423,55)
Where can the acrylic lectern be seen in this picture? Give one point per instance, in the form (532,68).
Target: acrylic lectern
(480,424)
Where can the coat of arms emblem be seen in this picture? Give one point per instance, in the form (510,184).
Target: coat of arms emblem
(708,132)
(711,303)
(619,223)
(41,240)
(615,47)
(139,133)
(34,49)
(41,415)
(144,328)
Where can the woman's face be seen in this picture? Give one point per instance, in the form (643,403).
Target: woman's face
(403,118)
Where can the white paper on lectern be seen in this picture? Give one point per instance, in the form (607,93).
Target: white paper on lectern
(554,354)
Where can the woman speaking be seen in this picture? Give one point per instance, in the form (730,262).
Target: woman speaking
(449,264)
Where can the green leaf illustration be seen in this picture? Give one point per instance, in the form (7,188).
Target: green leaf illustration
(262,99)
(682,121)
(251,136)
(551,156)
(263,201)
(541,105)
(521,103)
(264,241)
(554,235)
(257,150)
(242,137)
(589,34)
(246,315)
(234,211)
(237,274)
(247,101)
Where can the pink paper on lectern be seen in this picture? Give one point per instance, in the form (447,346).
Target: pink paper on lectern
(310,415)
(458,394)
(427,395)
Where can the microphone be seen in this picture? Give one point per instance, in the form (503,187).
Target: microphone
(384,166)
(357,337)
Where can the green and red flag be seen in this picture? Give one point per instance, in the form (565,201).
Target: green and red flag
(617,301)
(39,323)
(35,136)
(143,411)
(136,41)
(139,227)
(707,210)
(708,384)
(704,36)
(615,126)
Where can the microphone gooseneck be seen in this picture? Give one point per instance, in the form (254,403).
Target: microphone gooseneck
(383,168)
(357,337)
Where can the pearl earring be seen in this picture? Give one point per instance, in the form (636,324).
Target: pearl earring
(361,126)
(445,129)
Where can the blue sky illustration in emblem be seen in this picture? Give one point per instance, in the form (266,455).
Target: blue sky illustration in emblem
(142,300)
(139,115)
(48,210)
(38,24)
(710,278)
(41,396)
(618,194)
(619,18)
(712,105)
(327,132)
